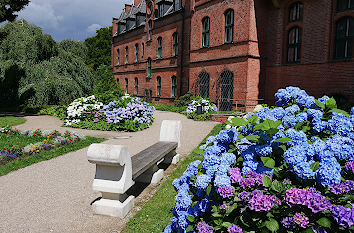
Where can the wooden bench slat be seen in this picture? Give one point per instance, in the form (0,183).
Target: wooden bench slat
(151,155)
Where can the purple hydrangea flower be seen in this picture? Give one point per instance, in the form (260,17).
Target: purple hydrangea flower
(301,220)
(234,229)
(343,216)
(202,227)
(349,166)
(225,206)
(288,223)
(342,188)
(225,192)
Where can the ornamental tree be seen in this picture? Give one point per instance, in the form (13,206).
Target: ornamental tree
(8,8)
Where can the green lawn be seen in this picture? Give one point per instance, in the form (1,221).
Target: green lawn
(19,140)
(156,213)
(11,120)
(17,164)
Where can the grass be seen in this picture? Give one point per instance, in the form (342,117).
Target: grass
(47,155)
(19,140)
(11,120)
(155,215)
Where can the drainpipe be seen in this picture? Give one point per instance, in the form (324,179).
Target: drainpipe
(182,48)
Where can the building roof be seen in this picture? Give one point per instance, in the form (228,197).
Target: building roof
(158,1)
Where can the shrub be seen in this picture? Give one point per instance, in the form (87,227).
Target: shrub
(184,100)
(287,168)
(206,106)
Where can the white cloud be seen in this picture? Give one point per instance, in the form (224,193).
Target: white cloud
(93,27)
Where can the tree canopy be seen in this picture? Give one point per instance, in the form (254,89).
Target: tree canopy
(8,8)
(99,48)
(36,70)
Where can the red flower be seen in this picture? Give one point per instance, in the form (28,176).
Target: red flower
(8,150)
(10,145)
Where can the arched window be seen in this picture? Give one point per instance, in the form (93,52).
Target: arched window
(159,47)
(126,86)
(229,26)
(126,55)
(174,86)
(150,30)
(294,45)
(175,44)
(158,89)
(204,80)
(206,32)
(118,57)
(136,86)
(344,5)
(295,12)
(136,53)
(344,38)
(149,67)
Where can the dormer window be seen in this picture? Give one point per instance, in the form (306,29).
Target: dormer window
(295,12)
(161,10)
(176,5)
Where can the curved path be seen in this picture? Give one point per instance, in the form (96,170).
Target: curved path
(55,195)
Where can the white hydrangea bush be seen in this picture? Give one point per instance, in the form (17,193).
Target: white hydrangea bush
(207,106)
(76,110)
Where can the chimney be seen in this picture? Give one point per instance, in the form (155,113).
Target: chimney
(137,2)
(114,26)
(127,7)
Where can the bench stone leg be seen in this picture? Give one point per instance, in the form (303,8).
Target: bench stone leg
(153,175)
(175,159)
(115,205)
(171,158)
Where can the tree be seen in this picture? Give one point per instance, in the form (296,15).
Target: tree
(8,8)
(99,48)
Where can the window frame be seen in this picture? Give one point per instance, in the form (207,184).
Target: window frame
(174,87)
(205,32)
(136,86)
(175,44)
(150,31)
(136,53)
(229,26)
(143,52)
(159,47)
(298,7)
(118,57)
(149,71)
(296,45)
(158,86)
(347,38)
(202,77)
(349,5)
(126,86)
(127,55)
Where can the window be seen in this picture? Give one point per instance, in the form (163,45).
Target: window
(294,45)
(126,55)
(204,85)
(150,30)
(143,49)
(118,57)
(174,86)
(149,67)
(126,86)
(161,11)
(136,86)
(159,47)
(344,38)
(158,92)
(229,26)
(206,31)
(343,5)
(176,5)
(175,44)
(136,53)
(295,12)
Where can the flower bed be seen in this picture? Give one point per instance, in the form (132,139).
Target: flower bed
(127,113)
(206,107)
(282,169)
(47,140)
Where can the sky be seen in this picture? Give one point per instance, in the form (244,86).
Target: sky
(72,19)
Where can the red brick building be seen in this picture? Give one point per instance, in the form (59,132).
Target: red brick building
(233,50)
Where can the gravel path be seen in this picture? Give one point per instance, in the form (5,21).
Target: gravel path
(55,195)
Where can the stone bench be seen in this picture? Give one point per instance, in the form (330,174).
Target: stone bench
(116,171)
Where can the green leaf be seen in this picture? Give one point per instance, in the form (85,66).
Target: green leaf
(340,111)
(277,186)
(189,228)
(315,166)
(325,222)
(215,209)
(253,138)
(267,182)
(308,230)
(272,225)
(199,151)
(238,121)
(331,103)
(208,190)
(232,208)
(216,215)
(283,147)
(319,104)
(272,131)
(227,224)
(253,120)
(268,162)
(240,136)
(299,125)
(190,218)
(283,140)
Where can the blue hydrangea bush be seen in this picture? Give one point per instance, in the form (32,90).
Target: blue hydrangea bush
(126,113)
(286,168)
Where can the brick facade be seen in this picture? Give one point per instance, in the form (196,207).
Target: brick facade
(255,62)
